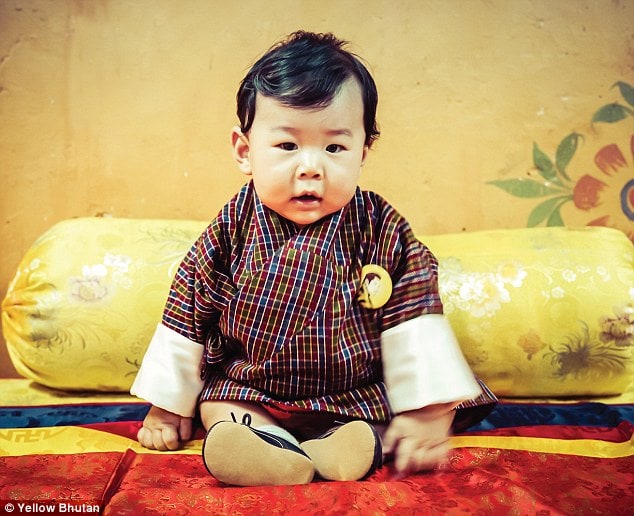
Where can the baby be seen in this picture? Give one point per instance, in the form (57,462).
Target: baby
(304,326)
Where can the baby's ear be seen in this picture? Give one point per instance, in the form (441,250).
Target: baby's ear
(240,144)
(366,149)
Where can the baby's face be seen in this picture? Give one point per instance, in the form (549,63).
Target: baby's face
(305,163)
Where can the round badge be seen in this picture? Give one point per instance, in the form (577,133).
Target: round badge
(376,287)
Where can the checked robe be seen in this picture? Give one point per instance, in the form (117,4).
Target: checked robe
(266,311)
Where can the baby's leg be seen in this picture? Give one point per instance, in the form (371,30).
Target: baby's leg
(245,446)
(212,412)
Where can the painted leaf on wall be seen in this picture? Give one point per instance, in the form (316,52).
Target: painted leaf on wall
(584,192)
(547,210)
(543,164)
(627,91)
(525,188)
(565,151)
(610,113)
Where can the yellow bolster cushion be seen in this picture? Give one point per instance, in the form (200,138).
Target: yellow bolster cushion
(538,312)
(543,311)
(87,297)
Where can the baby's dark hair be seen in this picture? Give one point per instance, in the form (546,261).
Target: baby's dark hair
(306,70)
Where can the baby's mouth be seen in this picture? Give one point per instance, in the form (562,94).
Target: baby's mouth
(307,197)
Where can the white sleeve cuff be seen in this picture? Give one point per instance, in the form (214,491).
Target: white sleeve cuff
(423,365)
(169,377)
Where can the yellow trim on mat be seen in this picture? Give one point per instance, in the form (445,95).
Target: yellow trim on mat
(582,447)
(64,440)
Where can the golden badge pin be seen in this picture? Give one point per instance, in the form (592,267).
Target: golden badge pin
(376,287)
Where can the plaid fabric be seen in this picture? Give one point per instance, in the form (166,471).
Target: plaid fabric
(275,305)
(471,412)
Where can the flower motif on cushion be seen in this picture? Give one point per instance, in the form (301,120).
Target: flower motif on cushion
(556,292)
(484,294)
(569,275)
(119,266)
(512,272)
(479,293)
(118,262)
(619,329)
(583,354)
(93,284)
(605,194)
(531,343)
(90,286)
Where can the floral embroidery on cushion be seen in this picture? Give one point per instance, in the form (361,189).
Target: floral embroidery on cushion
(619,329)
(481,294)
(92,285)
(512,273)
(516,300)
(531,343)
(584,354)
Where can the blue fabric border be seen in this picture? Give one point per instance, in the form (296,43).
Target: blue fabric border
(506,415)
(503,415)
(71,415)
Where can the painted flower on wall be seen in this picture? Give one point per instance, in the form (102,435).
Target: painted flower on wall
(603,196)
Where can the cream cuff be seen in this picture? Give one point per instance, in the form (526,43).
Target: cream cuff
(423,365)
(169,377)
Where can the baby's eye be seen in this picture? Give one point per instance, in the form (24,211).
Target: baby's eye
(334,148)
(287,146)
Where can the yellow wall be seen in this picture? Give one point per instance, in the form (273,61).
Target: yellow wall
(123,108)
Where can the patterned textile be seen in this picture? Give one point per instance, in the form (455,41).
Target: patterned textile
(550,458)
(275,304)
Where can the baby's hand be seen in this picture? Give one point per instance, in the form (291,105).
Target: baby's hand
(419,439)
(163,430)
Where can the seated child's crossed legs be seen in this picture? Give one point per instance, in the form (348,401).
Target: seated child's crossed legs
(246,445)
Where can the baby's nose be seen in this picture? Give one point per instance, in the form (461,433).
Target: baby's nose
(310,167)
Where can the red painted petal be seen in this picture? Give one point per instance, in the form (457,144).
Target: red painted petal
(586,192)
(601,221)
(609,159)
